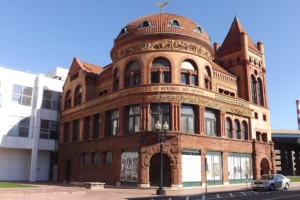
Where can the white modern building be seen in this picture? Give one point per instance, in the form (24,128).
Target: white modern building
(29,105)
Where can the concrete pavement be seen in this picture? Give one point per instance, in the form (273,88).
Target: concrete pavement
(50,191)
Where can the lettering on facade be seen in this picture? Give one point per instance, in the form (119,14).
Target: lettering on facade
(176,45)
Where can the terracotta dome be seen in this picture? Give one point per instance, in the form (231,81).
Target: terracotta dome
(162,23)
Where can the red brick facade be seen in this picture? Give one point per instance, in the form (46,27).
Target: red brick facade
(214,100)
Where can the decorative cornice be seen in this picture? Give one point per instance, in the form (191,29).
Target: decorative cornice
(162,45)
(168,94)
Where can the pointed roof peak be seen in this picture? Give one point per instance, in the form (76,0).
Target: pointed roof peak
(233,38)
(236,19)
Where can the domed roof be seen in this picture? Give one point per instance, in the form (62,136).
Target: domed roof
(162,23)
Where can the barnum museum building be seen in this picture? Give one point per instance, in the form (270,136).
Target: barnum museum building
(164,68)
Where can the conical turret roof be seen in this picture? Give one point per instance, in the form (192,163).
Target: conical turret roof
(233,38)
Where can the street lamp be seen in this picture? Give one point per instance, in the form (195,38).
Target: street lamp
(162,136)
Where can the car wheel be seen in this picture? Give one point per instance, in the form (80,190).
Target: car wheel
(272,187)
(286,187)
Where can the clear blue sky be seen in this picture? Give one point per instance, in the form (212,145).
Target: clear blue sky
(38,35)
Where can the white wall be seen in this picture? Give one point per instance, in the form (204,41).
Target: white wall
(15,164)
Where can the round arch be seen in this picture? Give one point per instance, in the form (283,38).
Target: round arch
(154,170)
(265,167)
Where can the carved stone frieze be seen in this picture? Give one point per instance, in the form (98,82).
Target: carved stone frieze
(171,45)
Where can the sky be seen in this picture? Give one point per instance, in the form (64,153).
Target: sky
(39,35)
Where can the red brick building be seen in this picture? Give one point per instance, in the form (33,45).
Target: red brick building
(164,68)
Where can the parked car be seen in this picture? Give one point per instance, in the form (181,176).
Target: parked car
(271,182)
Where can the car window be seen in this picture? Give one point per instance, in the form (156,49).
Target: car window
(280,177)
(267,177)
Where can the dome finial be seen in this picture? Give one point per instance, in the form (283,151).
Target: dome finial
(162,5)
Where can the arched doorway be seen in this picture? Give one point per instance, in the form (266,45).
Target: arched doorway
(154,171)
(264,166)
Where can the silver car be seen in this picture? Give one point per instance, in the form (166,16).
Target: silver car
(271,182)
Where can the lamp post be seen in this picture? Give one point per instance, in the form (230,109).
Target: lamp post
(162,136)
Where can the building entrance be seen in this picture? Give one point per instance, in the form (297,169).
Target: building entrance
(154,171)
(264,166)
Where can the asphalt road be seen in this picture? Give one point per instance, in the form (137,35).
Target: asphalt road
(291,194)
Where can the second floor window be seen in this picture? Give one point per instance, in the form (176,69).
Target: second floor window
(112,122)
(210,122)
(228,128)
(187,119)
(49,129)
(87,128)
(66,132)
(76,130)
(160,112)
(132,119)
(96,125)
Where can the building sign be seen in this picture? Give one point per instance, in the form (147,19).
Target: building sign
(129,166)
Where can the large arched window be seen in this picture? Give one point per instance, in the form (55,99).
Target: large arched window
(253,89)
(68,99)
(132,74)
(189,74)
(207,78)
(260,92)
(116,80)
(160,71)
(236,129)
(228,128)
(244,131)
(78,95)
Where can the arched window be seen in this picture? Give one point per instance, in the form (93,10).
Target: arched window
(228,128)
(132,74)
(189,74)
(244,131)
(160,71)
(253,89)
(260,92)
(116,80)
(207,78)
(198,29)
(236,129)
(174,23)
(78,95)
(145,24)
(68,99)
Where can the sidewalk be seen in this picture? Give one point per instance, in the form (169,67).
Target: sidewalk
(50,191)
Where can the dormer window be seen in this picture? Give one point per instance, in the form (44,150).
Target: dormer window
(145,24)
(198,29)
(123,31)
(174,23)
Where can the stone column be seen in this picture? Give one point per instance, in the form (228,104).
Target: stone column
(175,117)
(203,172)
(122,120)
(201,120)
(225,167)
(222,124)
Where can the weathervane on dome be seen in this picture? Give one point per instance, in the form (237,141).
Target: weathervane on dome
(162,5)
